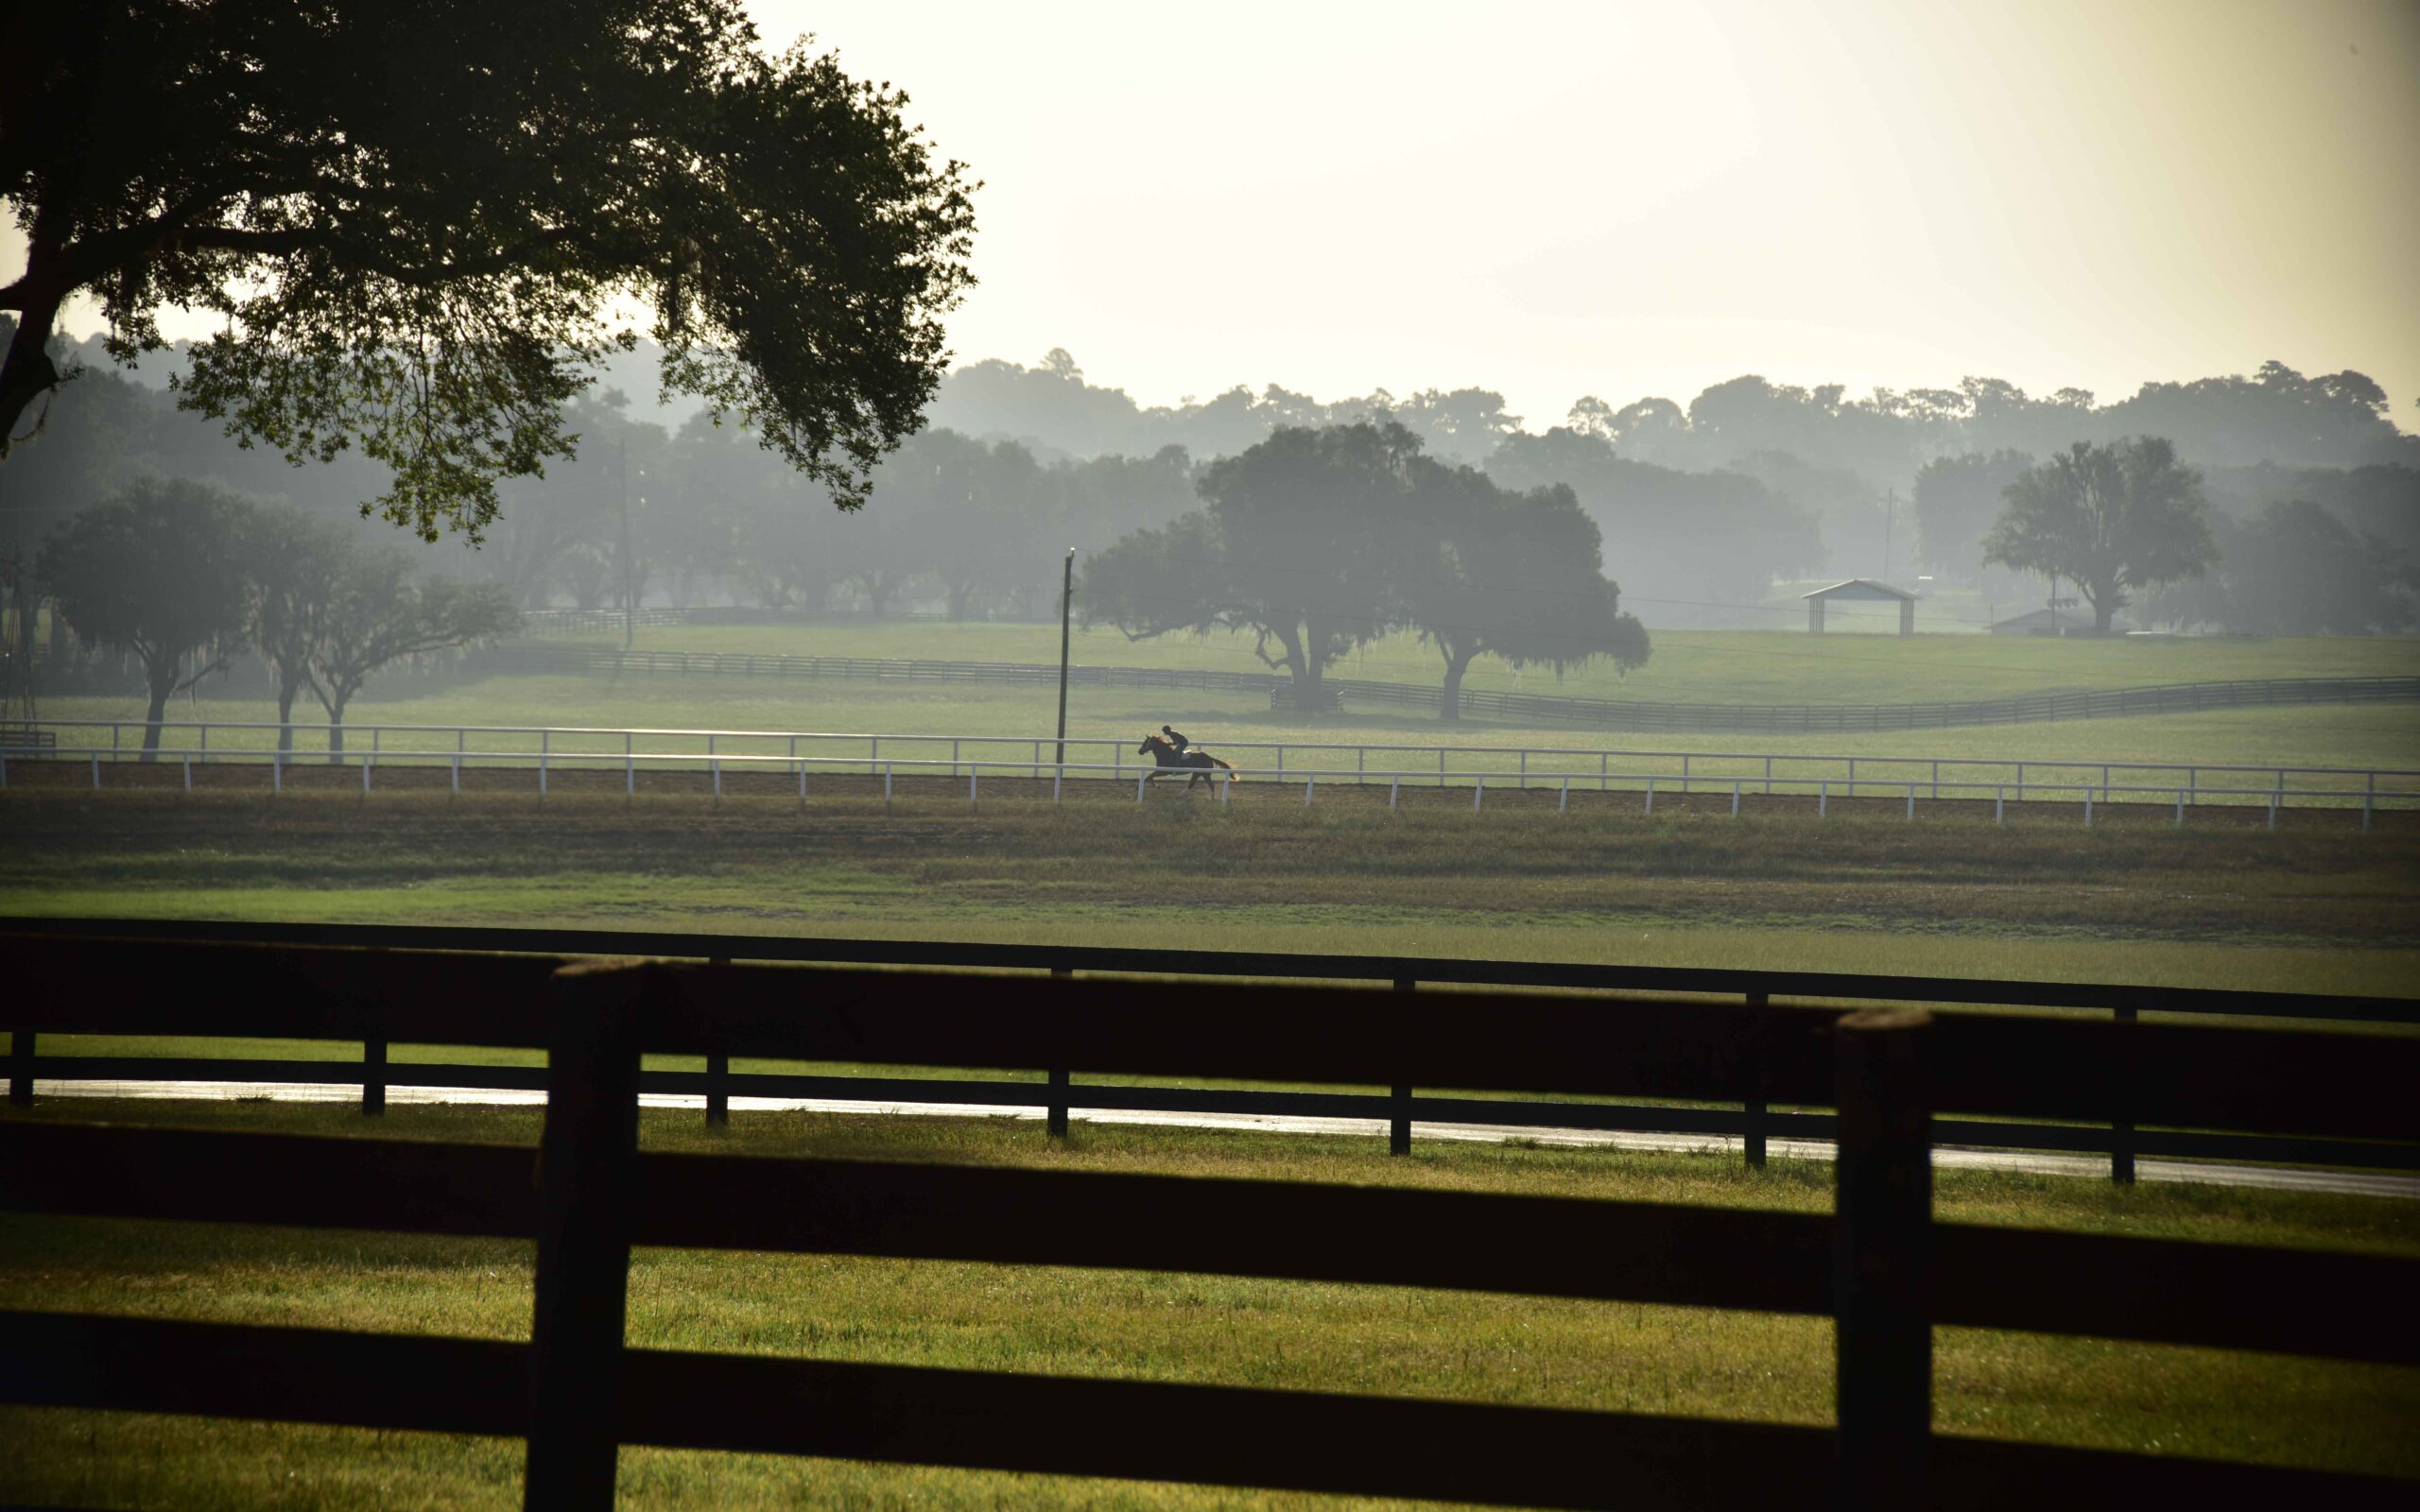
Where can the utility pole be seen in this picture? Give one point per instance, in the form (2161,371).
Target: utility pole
(622,470)
(1067,615)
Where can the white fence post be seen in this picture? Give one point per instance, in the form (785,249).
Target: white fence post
(1912,801)
(1651,793)
(1394,790)
(2180,810)
(1308,788)
(1562,804)
(189,773)
(1999,804)
(716,764)
(1822,796)
(1055,779)
(2087,808)
(96,771)
(1140,778)
(886,784)
(1479,792)
(2272,811)
(1735,797)
(277,773)
(365,773)
(457,774)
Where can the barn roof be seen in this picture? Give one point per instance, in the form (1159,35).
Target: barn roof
(1861,587)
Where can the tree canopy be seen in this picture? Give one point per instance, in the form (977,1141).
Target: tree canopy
(156,573)
(1317,541)
(418,219)
(2113,518)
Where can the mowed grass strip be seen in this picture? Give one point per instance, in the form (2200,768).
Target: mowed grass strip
(1136,1325)
(1241,876)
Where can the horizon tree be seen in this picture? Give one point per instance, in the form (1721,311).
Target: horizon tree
(2111,518)
(1516,576)
(293,561)
(1303,540)
(381,612)
(156,572)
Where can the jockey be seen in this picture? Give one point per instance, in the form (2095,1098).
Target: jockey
(1177,740)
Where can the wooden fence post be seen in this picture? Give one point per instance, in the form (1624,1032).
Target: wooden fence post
(373,1078)
(1055,1115)
(1399,1114)
(1752,1140)
(1882,1263)
(717,1074)
(21,1067)
(2122,1124)
(587,1162)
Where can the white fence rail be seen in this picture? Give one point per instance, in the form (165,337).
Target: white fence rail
(553,748)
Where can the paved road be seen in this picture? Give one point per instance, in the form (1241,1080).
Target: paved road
(2271,1177)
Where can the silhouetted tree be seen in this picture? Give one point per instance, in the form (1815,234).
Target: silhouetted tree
(380,612)
(2111,518)
(1515,576)
(158,573)
(2294,569)
(293,561)
(1305,541)
(1956,499)
(414,216)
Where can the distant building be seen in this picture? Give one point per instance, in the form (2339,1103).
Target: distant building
(1861,591)
(2061,622)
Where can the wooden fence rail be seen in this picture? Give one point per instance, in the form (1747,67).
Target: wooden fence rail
(1896,1273)
(111,998)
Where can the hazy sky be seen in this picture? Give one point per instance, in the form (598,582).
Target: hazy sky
(1628,199)
(1631,198)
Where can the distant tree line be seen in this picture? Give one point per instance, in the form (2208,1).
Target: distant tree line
(1698,511)
(181,575)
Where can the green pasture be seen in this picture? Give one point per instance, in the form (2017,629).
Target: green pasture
(2315,905)
(1687,666)
(1135,1324)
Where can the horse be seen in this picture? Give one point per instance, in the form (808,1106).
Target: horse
(1200,763)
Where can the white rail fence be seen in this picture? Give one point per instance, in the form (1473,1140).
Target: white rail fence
(548,749)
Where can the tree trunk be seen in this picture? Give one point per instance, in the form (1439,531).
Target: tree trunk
(1450,708)
(2102,613)
(286,689)
(162,690)
(336,728)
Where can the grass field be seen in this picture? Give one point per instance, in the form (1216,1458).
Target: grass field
(2362,736)
(2319,907)
(1687,666)
(1140,1324)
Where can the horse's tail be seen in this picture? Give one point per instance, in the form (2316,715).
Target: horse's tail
(1229,767)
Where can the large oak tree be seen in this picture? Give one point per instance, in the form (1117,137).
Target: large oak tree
(2114,519)
(421,221)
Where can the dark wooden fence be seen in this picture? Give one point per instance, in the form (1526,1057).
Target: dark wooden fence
(1603,713)
(1755,1121)
(1878,1265)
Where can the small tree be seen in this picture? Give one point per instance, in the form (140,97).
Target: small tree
(295,561)
(156,573)
(2112,518)
(380,612)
